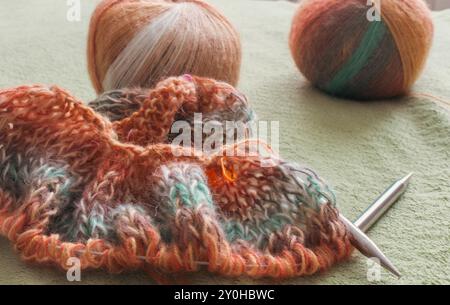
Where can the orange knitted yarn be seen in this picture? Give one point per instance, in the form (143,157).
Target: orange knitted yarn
(139,42)
(118,196)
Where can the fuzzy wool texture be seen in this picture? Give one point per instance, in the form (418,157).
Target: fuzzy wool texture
(359,148)
(138,43)
(341,51)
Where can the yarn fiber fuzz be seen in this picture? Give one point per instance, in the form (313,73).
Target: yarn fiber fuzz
(137,43)
(343,50)
(116,194)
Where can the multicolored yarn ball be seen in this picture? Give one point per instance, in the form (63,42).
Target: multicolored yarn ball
(118,196)
(137,43)
(342,49)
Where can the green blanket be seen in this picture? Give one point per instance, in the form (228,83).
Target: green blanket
(360,148)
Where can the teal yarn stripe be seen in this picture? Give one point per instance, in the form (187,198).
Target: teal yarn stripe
(358,60)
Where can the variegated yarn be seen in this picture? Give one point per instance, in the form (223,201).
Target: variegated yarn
(362,49)
(118,195)
(235,113)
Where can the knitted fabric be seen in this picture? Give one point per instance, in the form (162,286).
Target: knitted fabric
(114,193)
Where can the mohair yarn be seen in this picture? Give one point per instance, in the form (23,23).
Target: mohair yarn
(137,43)
(341,51)
(119,196)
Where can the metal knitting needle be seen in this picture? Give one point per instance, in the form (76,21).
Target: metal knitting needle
(360,240)
(367,247)
(382,203)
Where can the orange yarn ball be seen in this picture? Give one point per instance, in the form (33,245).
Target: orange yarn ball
(139,42)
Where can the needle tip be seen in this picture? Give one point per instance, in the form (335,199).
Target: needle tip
(367,247)
(391,268)
(407,178)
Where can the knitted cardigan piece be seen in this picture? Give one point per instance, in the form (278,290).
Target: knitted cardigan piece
(106,187)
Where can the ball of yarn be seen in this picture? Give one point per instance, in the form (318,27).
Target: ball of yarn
(357,49)
(140,42)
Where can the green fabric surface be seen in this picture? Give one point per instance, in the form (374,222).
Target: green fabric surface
(359,148)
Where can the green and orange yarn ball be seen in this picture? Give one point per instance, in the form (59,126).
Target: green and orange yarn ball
(361,49)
